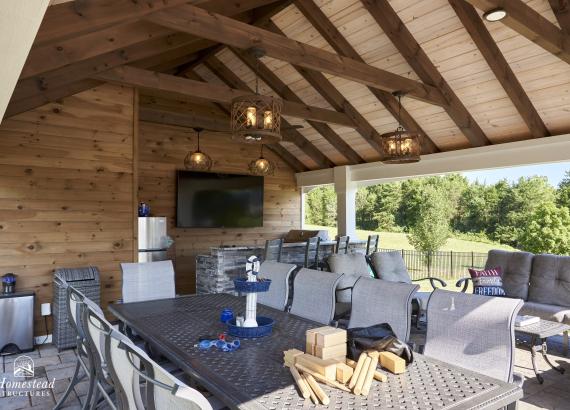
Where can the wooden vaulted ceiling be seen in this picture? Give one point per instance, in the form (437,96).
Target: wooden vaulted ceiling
(335,63)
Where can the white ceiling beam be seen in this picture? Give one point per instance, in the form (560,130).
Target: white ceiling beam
(19,23)
(511,154)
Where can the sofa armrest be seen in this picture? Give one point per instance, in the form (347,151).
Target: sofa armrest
(432,281)
(463,282)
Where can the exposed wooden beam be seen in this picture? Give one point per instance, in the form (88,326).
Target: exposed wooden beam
(189,120)
(561,9)
(137,77)
(396,30)
(64,21)
(284,91)
(337,41)
(290,134)
(215,27)
(530,24)
(500,67)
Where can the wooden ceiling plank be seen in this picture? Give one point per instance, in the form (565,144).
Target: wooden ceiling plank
(561,9)
(500,67)
(402,38)
(337,41)
(215,27)
(530,24)
(290,134)
(289,158)
(285,92)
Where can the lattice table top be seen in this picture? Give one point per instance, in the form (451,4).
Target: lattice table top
(543,329)
(253,377)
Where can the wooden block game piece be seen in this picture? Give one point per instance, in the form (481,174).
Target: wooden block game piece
(310,348)
(322,396)
(343,373)
(331,352)
(370,373)
(381,377)
(393,363)
(311,392)
(289,356)
(326,368)
(300,382)
(362,375)
(357,370)
(330,336)
(321,378)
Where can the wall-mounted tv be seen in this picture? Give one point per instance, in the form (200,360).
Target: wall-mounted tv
(209,200)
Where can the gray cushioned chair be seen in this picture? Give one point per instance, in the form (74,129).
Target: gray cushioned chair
(273,250)
(314,295)
(354,266)
(278,293)
(472,331)
(516,267)
(379,301)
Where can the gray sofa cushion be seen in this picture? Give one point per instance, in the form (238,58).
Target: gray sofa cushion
(353,265)
(550,280)
(516,268)
(553,313)
(390,266)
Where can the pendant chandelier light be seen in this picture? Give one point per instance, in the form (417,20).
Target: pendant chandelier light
(256,118)
(400,146)
(197,160)
(261,166)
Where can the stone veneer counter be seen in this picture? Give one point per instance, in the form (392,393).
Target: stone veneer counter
(216,272)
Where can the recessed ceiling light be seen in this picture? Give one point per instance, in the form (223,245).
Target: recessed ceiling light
(495,14)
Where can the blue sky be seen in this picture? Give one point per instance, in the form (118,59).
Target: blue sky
(554,173)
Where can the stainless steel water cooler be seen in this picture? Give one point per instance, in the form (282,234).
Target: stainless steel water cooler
(16,322)
(153,240)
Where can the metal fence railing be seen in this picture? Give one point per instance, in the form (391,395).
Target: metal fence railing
(447,265)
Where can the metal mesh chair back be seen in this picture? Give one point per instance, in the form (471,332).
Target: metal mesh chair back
(164,391)
(148,281)
(273,250)
(312,252)
(278,293)
(472,331)
(342,244)
(372,244)
(377,301)
(314,295)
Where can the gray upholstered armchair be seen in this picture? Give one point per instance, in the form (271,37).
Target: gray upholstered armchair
(354,266)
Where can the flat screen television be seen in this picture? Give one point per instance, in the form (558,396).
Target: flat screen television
(209,200)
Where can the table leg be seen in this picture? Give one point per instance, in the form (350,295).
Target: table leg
(533,349)
(544,351)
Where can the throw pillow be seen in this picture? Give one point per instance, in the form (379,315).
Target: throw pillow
(487,282)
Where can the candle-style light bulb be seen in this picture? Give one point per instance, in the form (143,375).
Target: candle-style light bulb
(251,117)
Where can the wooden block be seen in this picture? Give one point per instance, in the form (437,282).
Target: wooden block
(326,368)
(381,377)
(343,373)
(362,375)
(289,356)
(332,352)
(330,336)
(393,363)
(323,398)
(310,348)
(370,374)
(357,370)
(311,392)
(321,378)
(303,387)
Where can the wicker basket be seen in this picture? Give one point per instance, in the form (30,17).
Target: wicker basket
(85,280)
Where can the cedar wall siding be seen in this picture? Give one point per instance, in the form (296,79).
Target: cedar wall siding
(66,191)
(162,150)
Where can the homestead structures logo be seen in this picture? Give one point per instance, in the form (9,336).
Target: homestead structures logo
(24,383)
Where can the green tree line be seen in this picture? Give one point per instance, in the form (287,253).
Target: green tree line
(528,214)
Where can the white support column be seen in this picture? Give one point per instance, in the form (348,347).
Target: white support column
(346,201)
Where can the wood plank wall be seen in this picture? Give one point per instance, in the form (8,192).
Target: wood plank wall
(161,152)
(66,190)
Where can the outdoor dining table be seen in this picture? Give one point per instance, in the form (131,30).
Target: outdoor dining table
(253,376)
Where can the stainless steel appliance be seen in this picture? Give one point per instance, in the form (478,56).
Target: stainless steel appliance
(153,240)
(16,322)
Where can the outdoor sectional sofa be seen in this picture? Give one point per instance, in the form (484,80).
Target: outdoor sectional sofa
(542,281)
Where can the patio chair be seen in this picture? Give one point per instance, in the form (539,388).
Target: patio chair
(129,367)
(342,244)
(273,250)
(372,244)
(312,253)
(354,266)
(379,301)
(472,331)
(148,281)
(278,293)
(314,295)
(391,266)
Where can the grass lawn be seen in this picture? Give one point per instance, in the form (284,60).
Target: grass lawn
(391,240)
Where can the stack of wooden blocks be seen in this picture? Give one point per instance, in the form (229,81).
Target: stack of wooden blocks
(325,361)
